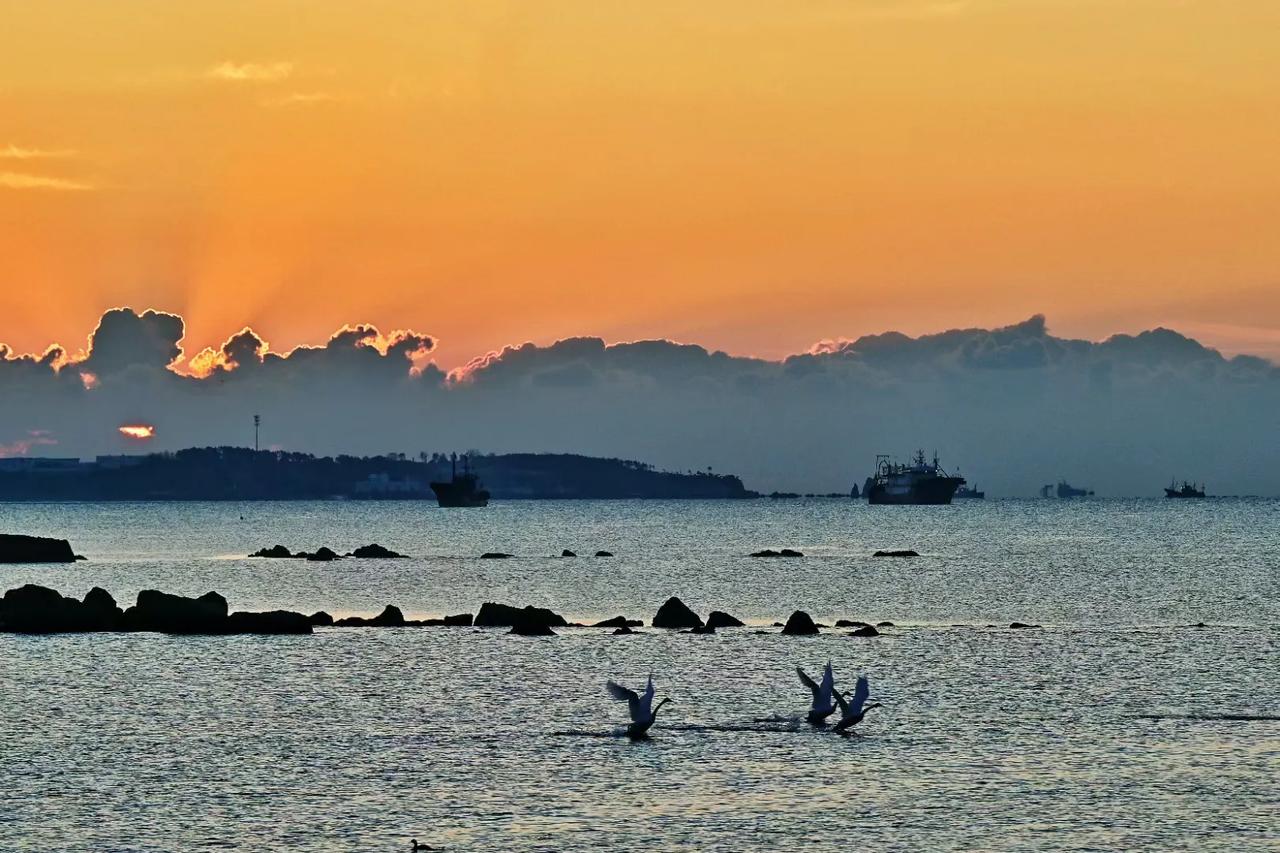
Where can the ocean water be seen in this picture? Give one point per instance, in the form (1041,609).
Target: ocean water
(1116,725)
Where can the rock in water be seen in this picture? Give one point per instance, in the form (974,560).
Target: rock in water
(567,553)
(495,615)
(103,612)
(675,614)
(34,549)
(376,552)
(895,554)
(622,630)
(34,609)
(390,617)
(271,622)
(720,619)
(176,614)
(495,555)
(799,624)
(604,553)
(324,555)
(532,629)
(705,629)
(785,552)
(278,552)
(851,623)
(1022,625)
(865,631)
(320,618)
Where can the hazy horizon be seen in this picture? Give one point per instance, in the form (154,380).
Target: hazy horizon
(1013,407)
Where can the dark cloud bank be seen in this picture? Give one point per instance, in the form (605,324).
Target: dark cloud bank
(1013,408)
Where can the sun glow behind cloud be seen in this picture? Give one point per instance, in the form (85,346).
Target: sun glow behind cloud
(138,432)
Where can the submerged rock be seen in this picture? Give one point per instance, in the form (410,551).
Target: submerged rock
(376,552)
(674,613)
(865,631)
(15,548)
(495,615)
(495,555)
(907,553)
(851,623)
(720,619)
(785,552)
(799,624)
(278,552)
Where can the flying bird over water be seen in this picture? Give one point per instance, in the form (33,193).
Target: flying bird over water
(854,707)
(823,704)
(640,704)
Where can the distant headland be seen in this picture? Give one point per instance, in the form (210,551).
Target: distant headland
(235,473)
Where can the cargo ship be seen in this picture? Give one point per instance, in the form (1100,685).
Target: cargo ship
(462,489)
(918,482)
(1186,490)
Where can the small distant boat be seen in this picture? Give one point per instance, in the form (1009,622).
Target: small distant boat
(913,484)
(463,489)
(1064,490)
(971,492)
(1186,490)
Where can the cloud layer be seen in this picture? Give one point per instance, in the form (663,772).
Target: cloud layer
(1013,407)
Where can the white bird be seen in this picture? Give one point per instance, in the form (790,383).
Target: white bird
(823,705)
(854,707)
(641,706)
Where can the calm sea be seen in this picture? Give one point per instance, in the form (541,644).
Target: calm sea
(1116,725)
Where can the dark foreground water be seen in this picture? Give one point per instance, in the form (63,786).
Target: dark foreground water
(1114,726)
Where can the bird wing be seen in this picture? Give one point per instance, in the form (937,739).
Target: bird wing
(622,694)
(646,698)
(842,702)
(807,682)
(860,694)
(828,685)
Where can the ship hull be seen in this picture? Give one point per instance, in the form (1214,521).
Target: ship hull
(451,495)
(1170,493)
(930,492)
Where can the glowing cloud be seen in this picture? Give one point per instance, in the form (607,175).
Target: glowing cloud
(20,181)
(251,71)
(138,432)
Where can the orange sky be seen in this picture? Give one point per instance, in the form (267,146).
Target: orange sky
(749,175)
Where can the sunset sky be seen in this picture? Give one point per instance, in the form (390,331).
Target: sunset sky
(752,176)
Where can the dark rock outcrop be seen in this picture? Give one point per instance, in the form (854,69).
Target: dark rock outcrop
(320,618)
(102,611)
(271,622)
(324,555)
(495,555)
(376,552)
(785,552)
(176,614)
(532,629)
(674,613)
(704,629)
(604,553)
(622,630)
(390,617)
(461,620)
(884,625)
(495,615)
(34,609)
(799,624)
(1022,625)
(851,623)
(619,622)
(567,553)
(907,553)
(15,548)
(720,619)
(865,631)
(278,552)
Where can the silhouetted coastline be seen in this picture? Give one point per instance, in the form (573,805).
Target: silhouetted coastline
(235,473)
